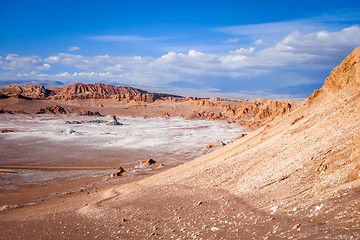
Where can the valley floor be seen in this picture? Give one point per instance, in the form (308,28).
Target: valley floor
(179,212)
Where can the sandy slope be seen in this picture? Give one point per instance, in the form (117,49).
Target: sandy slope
(295,178)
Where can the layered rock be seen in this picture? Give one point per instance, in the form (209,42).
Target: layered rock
(29,91)
(103,91)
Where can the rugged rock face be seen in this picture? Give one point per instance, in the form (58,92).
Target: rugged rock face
(30,91)
(99,88)
(61,110)
(261,110)
(346,77)
(103,91)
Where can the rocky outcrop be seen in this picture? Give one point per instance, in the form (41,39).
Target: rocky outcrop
(52,109)
(250,125)
(28,91)
(113,122)
(103,91)
(193,115)
(6,130)
(213,116)
(16,111)
(241,136)
(262,110)
(61,110)
(345,78)
(149,161)
(99,88)
(216,144)
(166,116)
(2,110)
(255,113)
(119,172)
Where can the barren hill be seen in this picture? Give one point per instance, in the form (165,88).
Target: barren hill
(30,91)
(99,88)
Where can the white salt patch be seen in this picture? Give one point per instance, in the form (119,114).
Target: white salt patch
(2,208)
(175,135)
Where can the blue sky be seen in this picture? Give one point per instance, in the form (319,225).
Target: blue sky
(231,49)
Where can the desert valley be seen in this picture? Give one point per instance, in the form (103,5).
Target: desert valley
(99,161)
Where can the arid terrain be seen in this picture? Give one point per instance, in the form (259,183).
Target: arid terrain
(295,177)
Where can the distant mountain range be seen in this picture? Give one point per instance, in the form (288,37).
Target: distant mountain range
(81,90)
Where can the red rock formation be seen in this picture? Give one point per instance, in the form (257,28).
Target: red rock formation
(100,88)
(103,91)
(30,91)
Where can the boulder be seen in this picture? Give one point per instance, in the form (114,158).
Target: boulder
(119,172)
(149,162)
(166,116)
(216,144)
(241,136)
(5,130)
(113,122)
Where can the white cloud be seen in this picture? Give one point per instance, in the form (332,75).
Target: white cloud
(320,42)
(233,40)
(74,48)
(15,62)
(281,65)
(261,42)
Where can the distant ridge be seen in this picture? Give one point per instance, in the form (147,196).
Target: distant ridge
(99,88)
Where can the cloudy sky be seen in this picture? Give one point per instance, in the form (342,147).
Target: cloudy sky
(232,49)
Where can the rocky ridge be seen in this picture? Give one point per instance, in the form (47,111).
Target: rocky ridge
(103,91)
(249,114)
(61,110)
(27,91)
